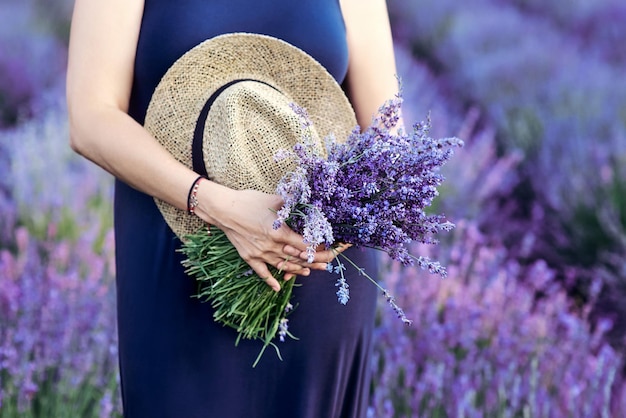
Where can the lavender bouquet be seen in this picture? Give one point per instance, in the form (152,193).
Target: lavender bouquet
(370,190)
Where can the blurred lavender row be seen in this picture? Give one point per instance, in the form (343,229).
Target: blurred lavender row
(546,78)
(534,90)
(58,351)
(485,345)
(530,320)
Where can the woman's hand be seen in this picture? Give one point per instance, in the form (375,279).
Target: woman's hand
(246,217)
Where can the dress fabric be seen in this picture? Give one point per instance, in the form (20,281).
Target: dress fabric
(175,361)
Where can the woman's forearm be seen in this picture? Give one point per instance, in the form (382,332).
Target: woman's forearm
(114,141)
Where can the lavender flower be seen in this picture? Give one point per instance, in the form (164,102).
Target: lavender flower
(343,293)
(399,312)
(283,326)
(371,190)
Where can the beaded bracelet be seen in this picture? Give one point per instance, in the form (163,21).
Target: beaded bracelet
(192,196)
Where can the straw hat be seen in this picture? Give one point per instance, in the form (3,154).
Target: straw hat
(244,85)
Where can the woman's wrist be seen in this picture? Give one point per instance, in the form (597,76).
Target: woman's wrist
(192,196)
(210,199)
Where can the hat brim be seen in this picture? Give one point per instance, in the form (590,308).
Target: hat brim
(184,89)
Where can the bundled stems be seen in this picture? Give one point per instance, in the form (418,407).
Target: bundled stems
(240,298)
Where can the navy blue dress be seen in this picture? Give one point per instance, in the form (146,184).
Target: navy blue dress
(175,360)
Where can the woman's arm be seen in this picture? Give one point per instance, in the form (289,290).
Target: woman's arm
(102,51)
(371,78)
(101,58)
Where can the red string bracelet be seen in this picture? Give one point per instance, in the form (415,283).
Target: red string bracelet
(192,196)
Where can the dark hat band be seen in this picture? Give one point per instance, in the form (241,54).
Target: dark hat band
(197,154)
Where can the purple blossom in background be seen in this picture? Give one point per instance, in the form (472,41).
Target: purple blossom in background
(425,92)
(596,27)
(479,176)
(69,191)
(7,207)
(57,319)
(485,344)
(26,89)
(547,78)
(57,305)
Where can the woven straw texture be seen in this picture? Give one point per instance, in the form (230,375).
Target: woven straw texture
(249,121)
(247,124)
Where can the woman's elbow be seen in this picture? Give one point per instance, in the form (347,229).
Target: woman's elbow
(75,139)
(81,121)
(75,143)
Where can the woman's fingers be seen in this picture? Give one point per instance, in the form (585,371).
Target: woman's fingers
(322,256)
(273,283)
(295,268)
(264,273)
(260,268)
(258,258)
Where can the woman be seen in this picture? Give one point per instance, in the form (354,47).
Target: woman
(175,361)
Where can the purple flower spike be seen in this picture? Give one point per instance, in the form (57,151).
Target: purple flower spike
(370,190)
(343,294)
(283,326)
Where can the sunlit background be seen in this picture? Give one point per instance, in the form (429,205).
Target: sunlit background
(531,320)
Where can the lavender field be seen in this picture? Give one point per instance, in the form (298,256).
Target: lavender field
(529,322)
